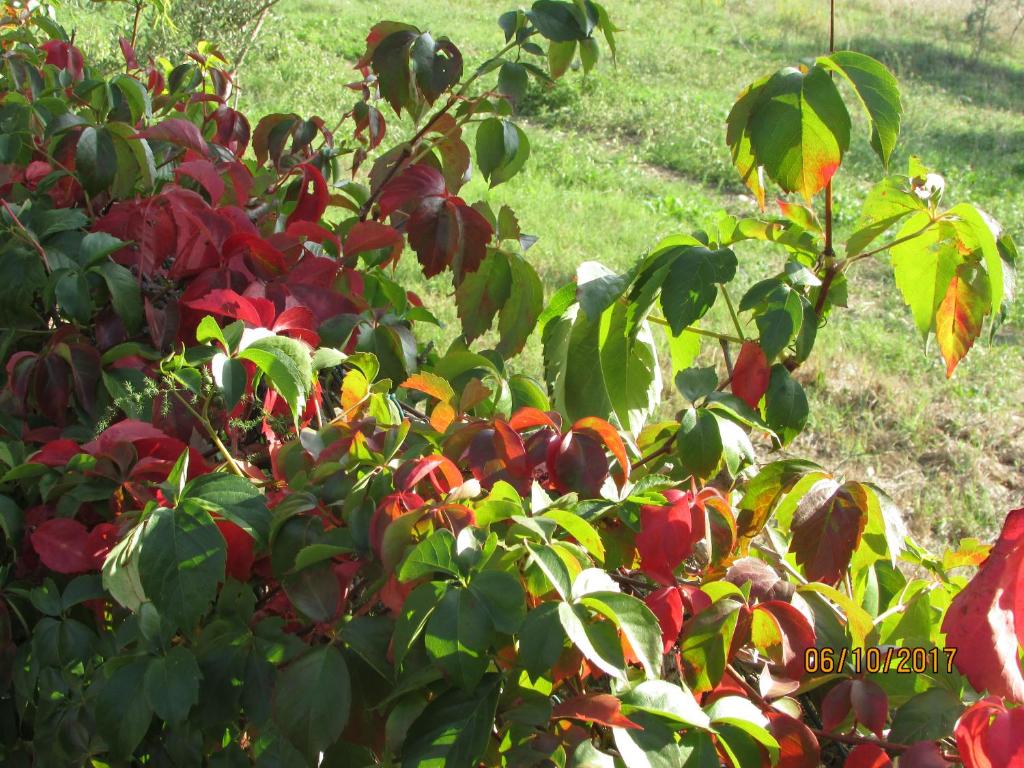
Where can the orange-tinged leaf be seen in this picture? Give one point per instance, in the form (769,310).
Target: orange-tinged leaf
(442,417)
(600,708)
(798,747)
(960,315)
(474,393)
(431,384)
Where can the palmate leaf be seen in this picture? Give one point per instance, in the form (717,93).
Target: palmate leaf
(827,527)
(626,383)
(181,560)
(287,365)
(924,265)
(799,130)
(878,92)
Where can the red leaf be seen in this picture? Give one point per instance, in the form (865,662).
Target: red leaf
(798,747)
(233,130)
(750,374)
(599,708)
(870,705)
(827,526)
(240,556)
(836,705)
(129,53)
(371,236)
(64,55)
(667,606)
(959,317)
(988,735)
(985,621)
(667,535)
(795,632)
(577,462)
(227,303)
(415,183)
(923,754)
(176,131)
(605,433)
(101,540)
(313,196)
(203,172)
(867,756)
(63,545)
(445,232)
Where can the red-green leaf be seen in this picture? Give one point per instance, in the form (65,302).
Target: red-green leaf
(959,317)
(827,526)
(600,708)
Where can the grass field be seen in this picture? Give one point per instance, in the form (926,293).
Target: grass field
(636,151)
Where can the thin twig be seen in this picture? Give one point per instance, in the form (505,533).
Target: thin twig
(28,236)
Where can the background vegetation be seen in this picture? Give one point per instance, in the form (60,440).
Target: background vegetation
(642,156)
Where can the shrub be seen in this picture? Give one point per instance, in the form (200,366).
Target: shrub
(247,518)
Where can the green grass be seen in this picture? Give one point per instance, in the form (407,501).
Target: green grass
(636,151)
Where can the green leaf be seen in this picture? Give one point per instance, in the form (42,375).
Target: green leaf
(454,729)
(785,405)
(683,350)
(172,684)
(435,553)
(560,56)
(520,311)
(95,159)
(513,80)
(704,644)
(96,246)
(554,570)
(541,639)
(667,700)
(312,700)
(580,530)
(121,712)
(181,561)
(699,443)
(878,92)
(482,293)
(556,20)
(690,287)
(416,610)
(695,383)
(636,621)
(800,130)
(737,137)
(502,597)
(927,716)
(889,201)
(924,265)
(502,149)
(629,367)
(125,295)
(654,746)
(72,293)
(595,640)
(287,365)
(978,232)
(234,498)
(457,637)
